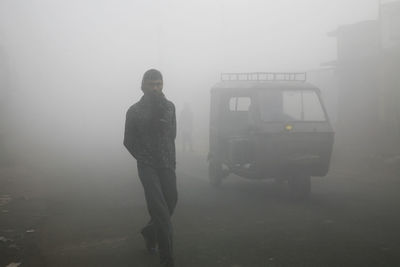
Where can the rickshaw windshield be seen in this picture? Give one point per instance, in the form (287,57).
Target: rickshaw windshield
(290,105)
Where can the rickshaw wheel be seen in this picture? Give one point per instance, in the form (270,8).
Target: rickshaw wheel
(215,174)
(300,186)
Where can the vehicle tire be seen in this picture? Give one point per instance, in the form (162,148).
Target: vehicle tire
(300,186)
(215,174)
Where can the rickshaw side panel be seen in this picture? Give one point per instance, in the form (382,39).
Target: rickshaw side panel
(267,150)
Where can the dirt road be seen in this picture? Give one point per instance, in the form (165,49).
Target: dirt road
(92,216)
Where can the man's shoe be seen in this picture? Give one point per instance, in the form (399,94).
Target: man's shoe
(150,241)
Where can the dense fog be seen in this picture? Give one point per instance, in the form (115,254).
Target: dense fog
(71,69)
(271,179)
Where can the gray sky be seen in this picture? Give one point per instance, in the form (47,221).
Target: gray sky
(76,65)
(174,35)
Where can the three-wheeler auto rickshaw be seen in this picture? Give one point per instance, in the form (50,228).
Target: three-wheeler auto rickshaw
(269,126)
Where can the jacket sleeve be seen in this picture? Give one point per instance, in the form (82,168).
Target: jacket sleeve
(130,135)
(173,123)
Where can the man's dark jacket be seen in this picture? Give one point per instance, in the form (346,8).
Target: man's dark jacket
(150,131)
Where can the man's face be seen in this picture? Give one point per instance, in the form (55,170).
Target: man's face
(153,86)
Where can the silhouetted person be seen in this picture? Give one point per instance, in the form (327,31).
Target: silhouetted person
(150,132)
(186,127)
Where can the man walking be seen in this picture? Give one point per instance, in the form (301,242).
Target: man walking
(150,132)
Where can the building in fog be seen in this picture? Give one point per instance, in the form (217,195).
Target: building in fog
(366,73)
(6,114)
(4,88)
(357,80)
(389,73)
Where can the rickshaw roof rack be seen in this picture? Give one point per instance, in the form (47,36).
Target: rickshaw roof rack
(265,76)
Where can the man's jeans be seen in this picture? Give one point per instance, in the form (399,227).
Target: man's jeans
(161,196)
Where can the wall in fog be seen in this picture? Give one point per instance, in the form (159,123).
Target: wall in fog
(77,65)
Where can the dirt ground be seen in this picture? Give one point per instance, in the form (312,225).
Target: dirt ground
(92,217)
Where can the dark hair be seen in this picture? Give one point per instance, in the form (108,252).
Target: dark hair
(152,75)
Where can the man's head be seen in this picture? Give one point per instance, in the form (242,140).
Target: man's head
(152,81)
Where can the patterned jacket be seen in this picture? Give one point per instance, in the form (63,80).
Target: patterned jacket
(150,131)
